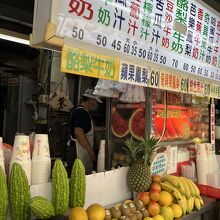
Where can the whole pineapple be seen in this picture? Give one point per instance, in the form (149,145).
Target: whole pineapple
(140,154)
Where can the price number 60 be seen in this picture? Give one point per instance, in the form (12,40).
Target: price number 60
(155,78)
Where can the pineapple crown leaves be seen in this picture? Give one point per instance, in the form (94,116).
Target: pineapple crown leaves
(149,146)
(132,149)
(141,151)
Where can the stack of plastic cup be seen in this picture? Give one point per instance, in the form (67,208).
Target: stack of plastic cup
(101,157)
(2,159)
(214,179)
(210,158)
(41,162)
(202,164)
(21,154)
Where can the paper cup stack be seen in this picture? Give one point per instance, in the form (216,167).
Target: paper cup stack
(41,162)
(2,160)
(21,154)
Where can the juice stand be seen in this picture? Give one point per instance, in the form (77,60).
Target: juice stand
(158,68)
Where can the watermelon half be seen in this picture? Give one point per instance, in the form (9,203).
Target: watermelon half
(182,127)
(119,125)
(137,124)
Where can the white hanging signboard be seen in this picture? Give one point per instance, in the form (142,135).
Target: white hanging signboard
(183,35)
(159,164)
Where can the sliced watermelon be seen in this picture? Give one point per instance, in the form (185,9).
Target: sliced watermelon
(137,124)
(159,122)
(171,129)
(176,122)
(119,125)
(182,127)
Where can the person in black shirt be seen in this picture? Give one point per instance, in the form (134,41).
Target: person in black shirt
(81,132)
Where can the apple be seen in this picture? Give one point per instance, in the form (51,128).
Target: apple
(144,197)
(156,178)
(154,195)
(155,186)
(153,208)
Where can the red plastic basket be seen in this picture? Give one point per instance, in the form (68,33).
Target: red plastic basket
(209,191)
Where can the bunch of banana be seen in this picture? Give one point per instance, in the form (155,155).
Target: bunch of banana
(184,191)
(201,201)
(183,204)
(197,203)
(167,186)
(190,204)
(177,194)
(172,179)
(186,187)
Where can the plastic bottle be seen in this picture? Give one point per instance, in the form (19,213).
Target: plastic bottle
(101,157)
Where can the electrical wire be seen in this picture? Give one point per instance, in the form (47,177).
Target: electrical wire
(165,117)
(59,83)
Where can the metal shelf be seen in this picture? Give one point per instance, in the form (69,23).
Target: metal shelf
(180,142)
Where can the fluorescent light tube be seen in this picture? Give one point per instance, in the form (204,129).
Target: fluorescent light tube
(14,39)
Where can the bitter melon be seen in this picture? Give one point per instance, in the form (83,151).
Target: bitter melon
(3,196)
(19,194)
(42,208)
(77,185)
(60,188)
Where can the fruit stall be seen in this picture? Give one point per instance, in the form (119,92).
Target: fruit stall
(124,193)
(79,198)
(160,161)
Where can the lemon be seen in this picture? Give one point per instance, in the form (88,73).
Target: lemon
(158,217)
(96,212)
(78,213)
(177,210)
(165,198)
(148,218)
(167,213)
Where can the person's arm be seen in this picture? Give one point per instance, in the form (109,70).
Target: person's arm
(82,139)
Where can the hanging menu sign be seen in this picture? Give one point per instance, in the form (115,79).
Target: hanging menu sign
(207,89)
(154,78)
(184,84)
(169,81)
(196,87)
(133,74)
(138,75)
(214,91)
(181,34)
(77,61)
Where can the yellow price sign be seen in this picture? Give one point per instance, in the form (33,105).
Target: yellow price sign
(85,63)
